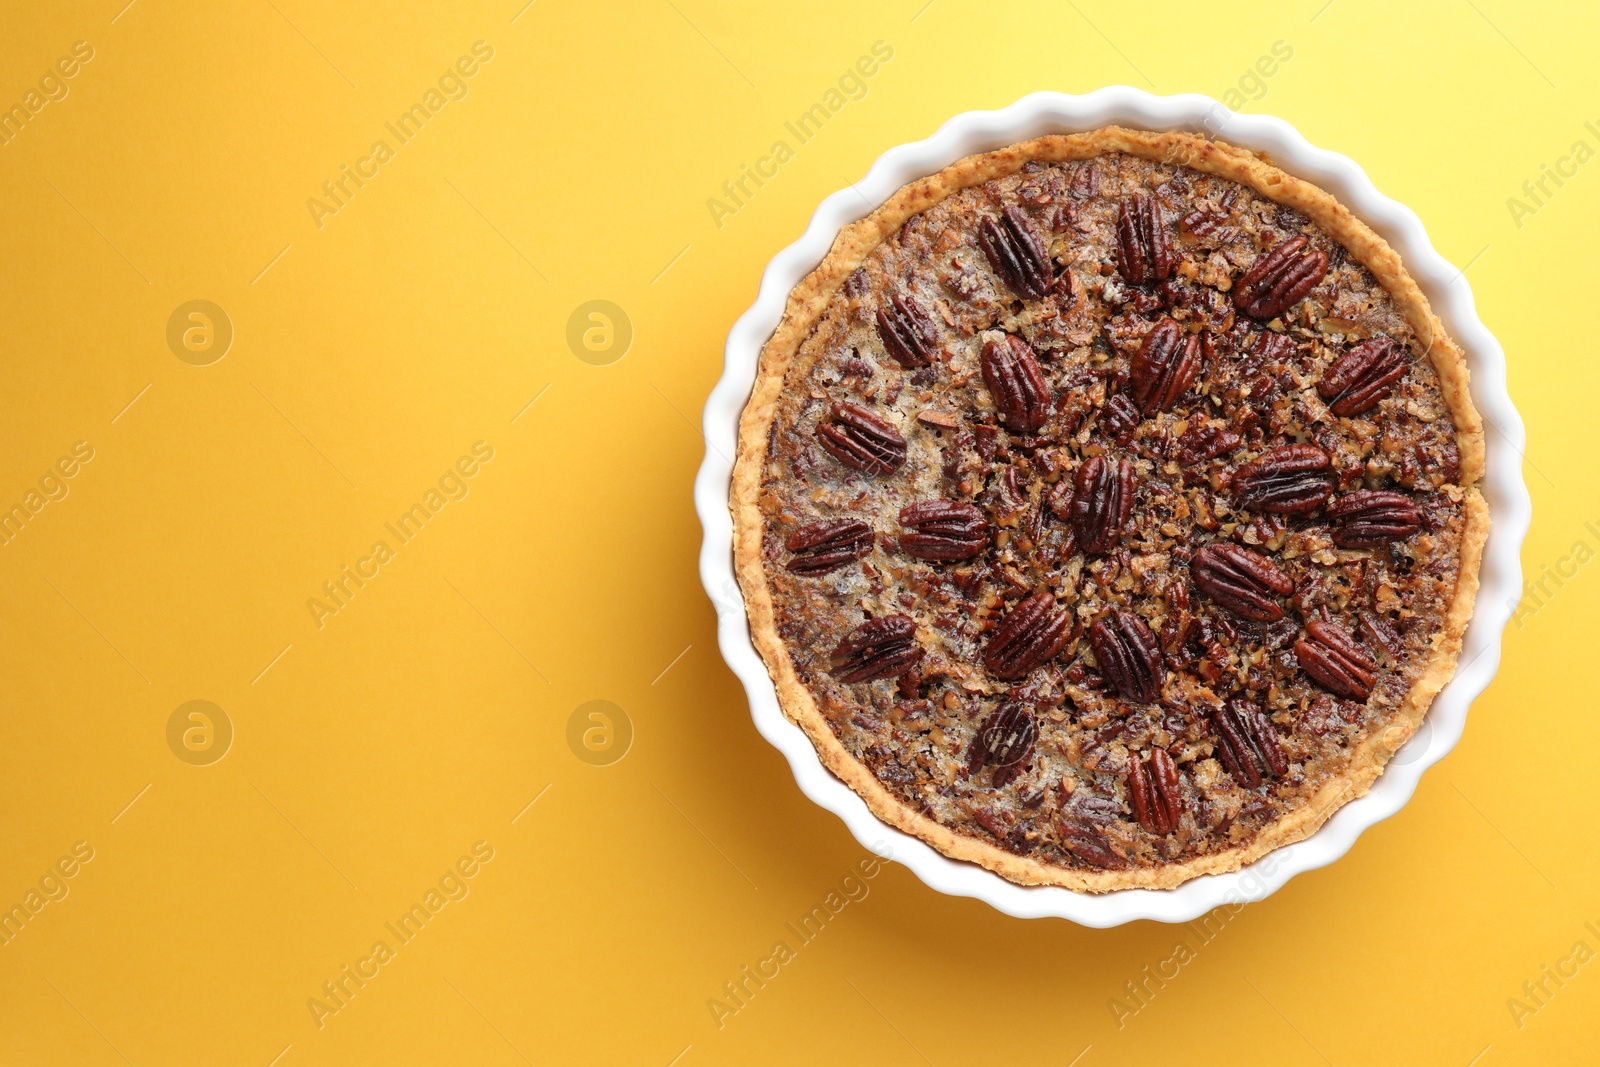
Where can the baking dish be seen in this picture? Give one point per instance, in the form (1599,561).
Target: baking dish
(1502,486)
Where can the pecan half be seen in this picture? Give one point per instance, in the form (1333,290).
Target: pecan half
(1017,383)
(1206,222)
(1153,789)
(1336,660)
(1164,367)
(828,544)
(1101,502)
(907,333)
(1362,376)
(1381,632)
(1005,740)
(1288,480)
(1059,500)
(1129,656)
(1081,839)
(879,648)
(1144,247)
(1372,518)
(860,439)
(1278,279)
(1200,444)
(943,530)
(1240,580)
(1248,745)
(1180,622)
(1120,417)
(1033,633)
(1017,252)
(1085,181)
(1269,348)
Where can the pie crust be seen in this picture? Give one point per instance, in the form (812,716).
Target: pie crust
(810,300)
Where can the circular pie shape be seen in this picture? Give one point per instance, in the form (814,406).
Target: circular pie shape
(1226,463)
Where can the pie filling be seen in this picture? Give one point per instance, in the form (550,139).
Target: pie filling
(1107,507)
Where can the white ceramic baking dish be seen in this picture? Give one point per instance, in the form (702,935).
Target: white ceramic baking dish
(1503,488)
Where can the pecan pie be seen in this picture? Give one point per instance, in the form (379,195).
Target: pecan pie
(1105,508)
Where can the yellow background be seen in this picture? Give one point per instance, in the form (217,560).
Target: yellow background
(372,752)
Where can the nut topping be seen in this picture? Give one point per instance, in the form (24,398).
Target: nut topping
(828,544)
(1362,376)
(1153,789)
(1102,502)
(1033,633)
(1129,656)
(1277,280)
(1336,660)
(1017,383)
(1372,518)
(1017,253)
(1240,580)
(1248,745)
(1164,367)
(1290,480)
(860,439)
(943,530)
(906,332)
(1005,740)
(1144,248)
(878,648)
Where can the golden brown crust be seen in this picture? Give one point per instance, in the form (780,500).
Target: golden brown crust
(806,304)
